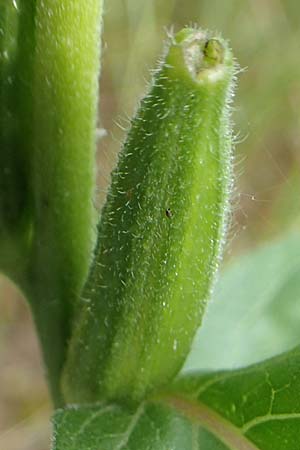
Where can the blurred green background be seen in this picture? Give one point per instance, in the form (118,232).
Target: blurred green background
(265,37)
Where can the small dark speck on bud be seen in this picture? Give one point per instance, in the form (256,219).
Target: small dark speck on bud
(169,213)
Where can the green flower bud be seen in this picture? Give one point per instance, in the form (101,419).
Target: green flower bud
(161,230)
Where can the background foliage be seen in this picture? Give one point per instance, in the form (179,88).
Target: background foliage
(265,37)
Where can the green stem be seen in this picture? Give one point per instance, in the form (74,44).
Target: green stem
(14,202)
(53,121)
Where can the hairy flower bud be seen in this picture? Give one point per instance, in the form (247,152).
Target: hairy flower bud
(161,230)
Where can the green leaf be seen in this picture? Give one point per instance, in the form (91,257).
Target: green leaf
(161,230)
(255,313)
(49,71)
(257,408)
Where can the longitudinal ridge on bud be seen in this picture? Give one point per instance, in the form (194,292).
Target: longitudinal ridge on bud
(161,230)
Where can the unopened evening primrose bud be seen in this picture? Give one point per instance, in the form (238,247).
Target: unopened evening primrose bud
(161,230)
